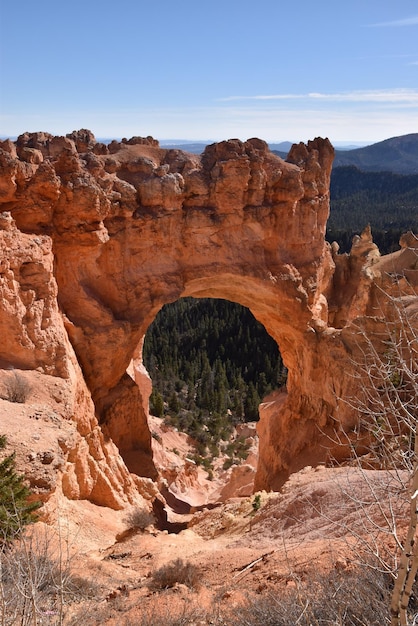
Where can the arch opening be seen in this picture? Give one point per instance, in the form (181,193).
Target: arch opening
(211,364)
(125,416)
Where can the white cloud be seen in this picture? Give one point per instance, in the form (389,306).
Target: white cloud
(382,96)
(378,96)
(408,21)
(283,96)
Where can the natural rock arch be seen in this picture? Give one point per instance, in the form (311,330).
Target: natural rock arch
(239,224)
(133,227)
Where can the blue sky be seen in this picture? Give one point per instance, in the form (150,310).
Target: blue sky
(210,70)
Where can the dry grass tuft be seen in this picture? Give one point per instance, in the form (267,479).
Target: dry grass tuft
(176,572)
(16,388)
(139,519)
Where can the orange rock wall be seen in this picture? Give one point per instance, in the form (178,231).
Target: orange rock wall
(129,227)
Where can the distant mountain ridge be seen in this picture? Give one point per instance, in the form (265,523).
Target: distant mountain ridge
(397,154)
(197,147)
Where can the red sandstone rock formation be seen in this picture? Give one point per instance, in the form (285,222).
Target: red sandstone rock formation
(33,337)
(96,239)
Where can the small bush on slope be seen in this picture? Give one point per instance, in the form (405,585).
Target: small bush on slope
(16,511)
(17,388)
(139,519)
(176,572)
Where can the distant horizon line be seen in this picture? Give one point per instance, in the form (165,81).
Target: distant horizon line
(278,142)
(204,142)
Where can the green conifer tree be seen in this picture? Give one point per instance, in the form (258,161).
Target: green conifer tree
(16,510)
(157,404)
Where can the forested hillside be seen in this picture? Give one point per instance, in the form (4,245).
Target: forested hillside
(211,363)
(386,201)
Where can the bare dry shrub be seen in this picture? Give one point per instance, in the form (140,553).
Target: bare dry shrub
(92,613)
(185,615)
(176,572)
(139,519)
(16,388)
(385,401)
(348,598)
(339,598)
(80,588)
(37,583)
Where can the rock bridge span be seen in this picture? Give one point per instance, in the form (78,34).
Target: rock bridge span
(133,226)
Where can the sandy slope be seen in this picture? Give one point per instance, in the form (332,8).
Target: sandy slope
(313,524)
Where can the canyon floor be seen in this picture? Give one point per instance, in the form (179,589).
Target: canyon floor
(232,551)
(230,554)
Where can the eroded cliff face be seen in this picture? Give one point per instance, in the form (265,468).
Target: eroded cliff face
(96,239)
(35,353)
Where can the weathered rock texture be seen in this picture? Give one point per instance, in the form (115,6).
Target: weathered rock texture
(33,337)
(96,239)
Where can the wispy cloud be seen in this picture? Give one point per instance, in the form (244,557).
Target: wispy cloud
(407,21)
(382,96)
(409,96)
(364,123)
(282,96)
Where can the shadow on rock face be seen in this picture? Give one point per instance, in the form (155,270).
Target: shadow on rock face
(161,517)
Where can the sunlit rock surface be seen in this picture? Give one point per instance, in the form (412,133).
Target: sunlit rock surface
(95,239)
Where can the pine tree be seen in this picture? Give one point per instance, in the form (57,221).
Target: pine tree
(174,403)
(157,404)
(251,404)
(16,510)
